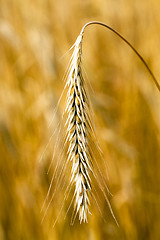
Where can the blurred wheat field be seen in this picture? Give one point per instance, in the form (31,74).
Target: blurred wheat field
(34,35)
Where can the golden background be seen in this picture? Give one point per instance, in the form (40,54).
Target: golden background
(34,35)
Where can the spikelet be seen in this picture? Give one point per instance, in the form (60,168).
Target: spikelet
(78,131)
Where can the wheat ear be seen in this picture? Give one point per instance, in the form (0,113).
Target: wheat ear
(80,132)
(79,128)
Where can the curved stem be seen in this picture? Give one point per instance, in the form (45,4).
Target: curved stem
(128,43)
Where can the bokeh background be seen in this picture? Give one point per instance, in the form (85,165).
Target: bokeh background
(34,35)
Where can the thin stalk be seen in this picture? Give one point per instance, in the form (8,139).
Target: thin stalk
(128,43)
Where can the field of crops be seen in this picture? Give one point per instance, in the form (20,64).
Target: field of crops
(125,103)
